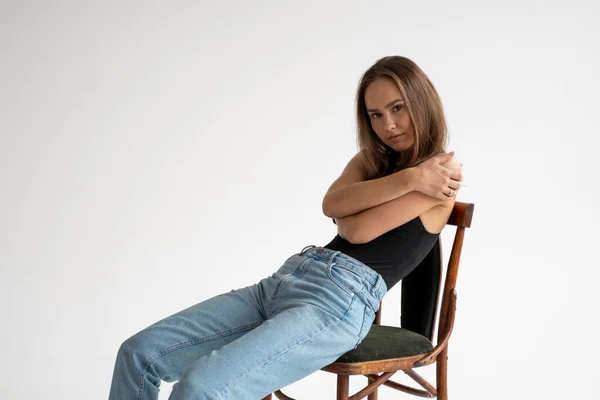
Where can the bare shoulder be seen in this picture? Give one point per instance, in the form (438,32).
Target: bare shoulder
(453,164)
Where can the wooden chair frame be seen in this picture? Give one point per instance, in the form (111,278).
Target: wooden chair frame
(379,372)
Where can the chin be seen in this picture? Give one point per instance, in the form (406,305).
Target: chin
(401,147)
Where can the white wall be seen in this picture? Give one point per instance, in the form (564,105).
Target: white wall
(142,142)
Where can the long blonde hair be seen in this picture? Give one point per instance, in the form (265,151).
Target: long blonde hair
(424,107)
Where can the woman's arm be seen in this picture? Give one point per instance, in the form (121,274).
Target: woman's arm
(369,224)
(350,193)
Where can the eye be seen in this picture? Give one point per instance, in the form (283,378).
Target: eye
(397,107)
(375,116)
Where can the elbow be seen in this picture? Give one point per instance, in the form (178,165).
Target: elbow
(327,208)
(355,238)
(331,209)
(348,231)
(357,234)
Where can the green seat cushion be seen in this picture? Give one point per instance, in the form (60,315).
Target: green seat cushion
(384,342)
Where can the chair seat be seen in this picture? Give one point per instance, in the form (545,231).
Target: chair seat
(385,342)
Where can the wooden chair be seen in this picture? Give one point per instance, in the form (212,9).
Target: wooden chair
(388,349)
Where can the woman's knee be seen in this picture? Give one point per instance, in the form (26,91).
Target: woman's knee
(137,347)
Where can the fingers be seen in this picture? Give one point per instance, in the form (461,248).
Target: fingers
(456,175)
(445,195)
(449,191)
(454,185)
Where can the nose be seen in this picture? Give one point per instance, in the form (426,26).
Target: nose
(390,124)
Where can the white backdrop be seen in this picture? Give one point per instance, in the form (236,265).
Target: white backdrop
(155,154)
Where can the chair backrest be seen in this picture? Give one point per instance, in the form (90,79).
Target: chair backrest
(420,291)
(421,288)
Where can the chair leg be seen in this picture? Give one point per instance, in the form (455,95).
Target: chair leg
(373,395)
(442,374)
(267,397)
(343,387)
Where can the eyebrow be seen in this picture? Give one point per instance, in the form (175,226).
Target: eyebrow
(388,105)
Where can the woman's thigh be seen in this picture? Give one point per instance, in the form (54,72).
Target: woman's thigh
(284,349)
(171,345)
(311,322)
(167,348)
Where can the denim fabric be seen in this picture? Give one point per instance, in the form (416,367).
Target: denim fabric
(249,342)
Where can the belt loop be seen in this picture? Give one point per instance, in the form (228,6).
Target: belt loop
(306,248)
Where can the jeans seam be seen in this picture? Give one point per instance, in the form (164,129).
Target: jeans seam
(231,384)
(191,342)
(362,327)
(290,276)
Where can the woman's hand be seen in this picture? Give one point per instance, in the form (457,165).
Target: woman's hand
(439,176)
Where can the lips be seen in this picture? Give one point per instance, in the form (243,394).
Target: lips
(395,136)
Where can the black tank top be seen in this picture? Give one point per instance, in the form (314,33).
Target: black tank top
(395,253)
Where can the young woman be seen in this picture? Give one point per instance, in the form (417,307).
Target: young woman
(389,204)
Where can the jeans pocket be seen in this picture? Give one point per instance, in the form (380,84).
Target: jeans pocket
(369,317)
(346,278)
(289,278)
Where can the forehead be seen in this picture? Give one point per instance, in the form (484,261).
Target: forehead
(380,92)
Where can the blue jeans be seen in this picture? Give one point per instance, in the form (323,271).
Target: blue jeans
(252,341)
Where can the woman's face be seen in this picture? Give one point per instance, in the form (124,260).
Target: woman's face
(388,114)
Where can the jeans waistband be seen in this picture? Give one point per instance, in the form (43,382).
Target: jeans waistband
(372,278)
